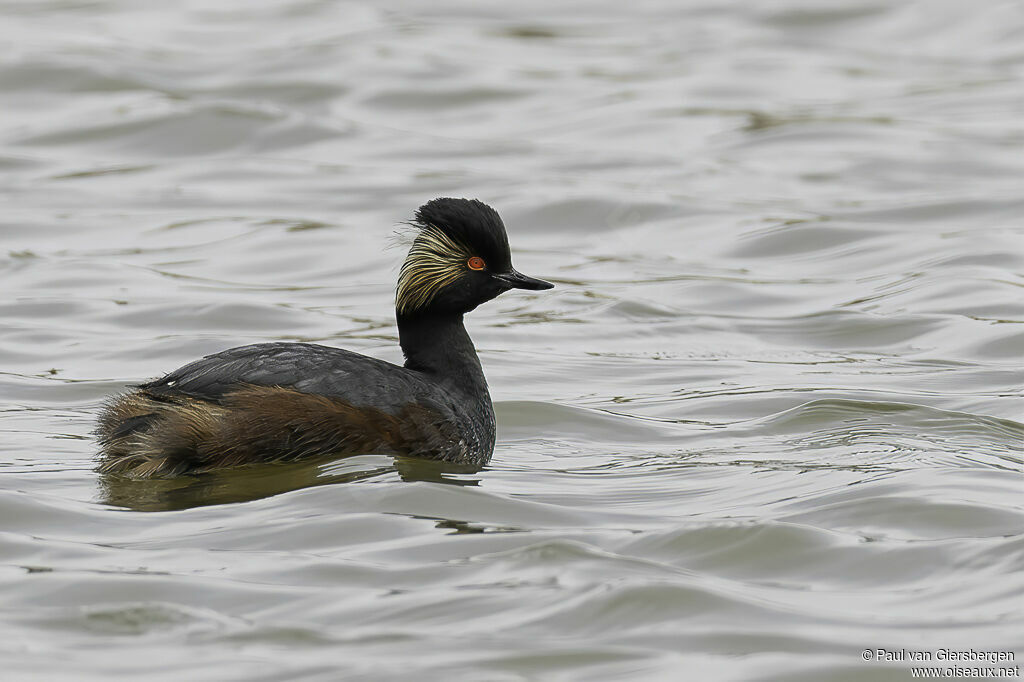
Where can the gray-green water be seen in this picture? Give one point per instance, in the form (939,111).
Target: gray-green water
(771,416)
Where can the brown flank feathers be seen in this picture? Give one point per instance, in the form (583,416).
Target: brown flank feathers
(143,435)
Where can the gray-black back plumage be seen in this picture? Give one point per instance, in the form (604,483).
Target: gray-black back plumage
(309,368)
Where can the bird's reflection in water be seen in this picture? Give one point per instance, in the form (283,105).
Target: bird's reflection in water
(253,482)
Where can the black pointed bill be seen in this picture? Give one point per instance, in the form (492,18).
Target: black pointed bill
(517,280)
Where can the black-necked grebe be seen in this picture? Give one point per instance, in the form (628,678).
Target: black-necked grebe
(283,401)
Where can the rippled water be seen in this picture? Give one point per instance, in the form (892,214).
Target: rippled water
(770,417)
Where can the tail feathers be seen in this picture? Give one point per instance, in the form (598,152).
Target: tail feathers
(142,437)
(131,425)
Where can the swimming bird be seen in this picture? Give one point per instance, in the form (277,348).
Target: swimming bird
(285,401)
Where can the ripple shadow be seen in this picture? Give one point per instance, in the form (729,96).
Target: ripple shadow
(258,481)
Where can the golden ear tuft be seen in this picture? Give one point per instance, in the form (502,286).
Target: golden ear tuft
(435,261)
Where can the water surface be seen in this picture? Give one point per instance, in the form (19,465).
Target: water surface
(770,417)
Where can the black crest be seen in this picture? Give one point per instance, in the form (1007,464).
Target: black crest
(471,223)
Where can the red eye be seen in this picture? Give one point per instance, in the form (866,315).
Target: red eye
(476,263)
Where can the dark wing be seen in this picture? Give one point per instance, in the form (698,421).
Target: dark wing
(305,367)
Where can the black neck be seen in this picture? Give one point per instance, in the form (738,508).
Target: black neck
(439,345)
